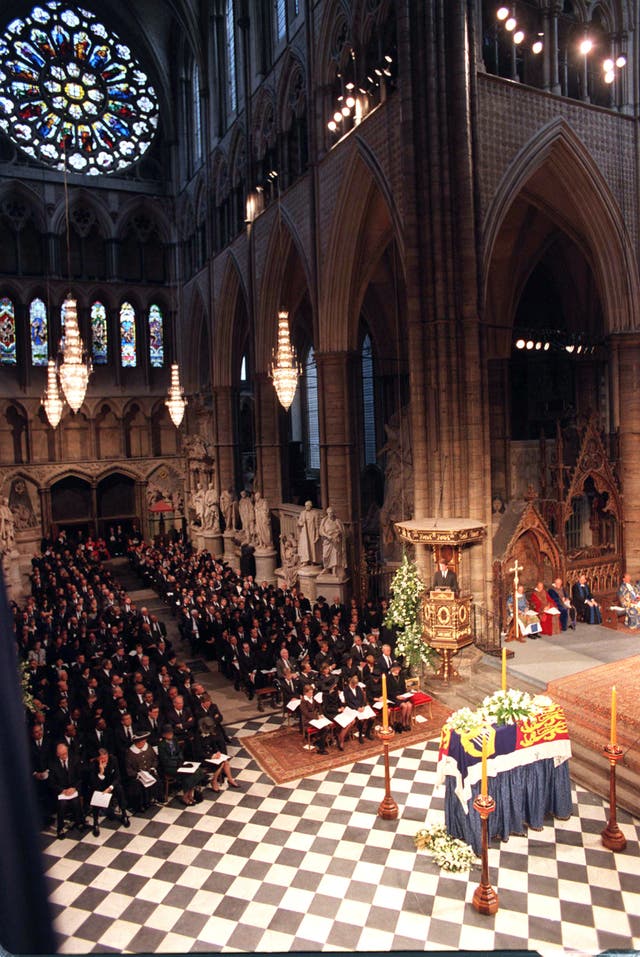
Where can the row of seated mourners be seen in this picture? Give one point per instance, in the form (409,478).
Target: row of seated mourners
(328,658)
(114,712)
(549,611)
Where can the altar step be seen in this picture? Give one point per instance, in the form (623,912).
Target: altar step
(588,766)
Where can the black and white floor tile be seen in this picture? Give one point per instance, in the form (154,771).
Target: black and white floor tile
(309,866)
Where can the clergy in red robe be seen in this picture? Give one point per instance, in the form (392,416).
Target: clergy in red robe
(549,615)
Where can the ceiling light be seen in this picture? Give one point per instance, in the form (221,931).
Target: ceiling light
(502,13)
(621,61)
(518,36)
(586,46)
(510,24)
(537,47)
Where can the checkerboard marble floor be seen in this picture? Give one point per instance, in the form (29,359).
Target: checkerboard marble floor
(309,866)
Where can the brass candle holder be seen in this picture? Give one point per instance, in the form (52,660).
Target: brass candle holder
(612,836)
(388,809)
(485,899)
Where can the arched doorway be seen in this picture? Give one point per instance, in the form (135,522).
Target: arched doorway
(116,503)
(71,506)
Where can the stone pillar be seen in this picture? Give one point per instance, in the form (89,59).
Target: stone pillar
(268,477)
(265,565)
(224,419)
(627,349)
(213,543)
(338,375)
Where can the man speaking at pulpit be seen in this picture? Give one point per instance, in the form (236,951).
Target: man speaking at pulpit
(445,578)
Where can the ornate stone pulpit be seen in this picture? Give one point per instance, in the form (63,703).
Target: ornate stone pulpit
(446,614)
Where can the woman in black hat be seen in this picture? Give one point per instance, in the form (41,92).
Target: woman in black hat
(396,687)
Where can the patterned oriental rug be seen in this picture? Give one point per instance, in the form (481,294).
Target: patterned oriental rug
(282,756)
(586,699)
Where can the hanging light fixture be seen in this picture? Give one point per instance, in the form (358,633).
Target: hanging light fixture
(176,402)
(52,400)
(285,369)
(75,366)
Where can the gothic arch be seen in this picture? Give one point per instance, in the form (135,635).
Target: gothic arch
(225,332)
(144,207)
(556,174)
(334,40)
(365,222)
(282,285)
(292,79)
(81,198)
(14,190)
(264,123)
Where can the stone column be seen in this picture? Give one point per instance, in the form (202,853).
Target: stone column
(224,419)
(627,348)
(338,375)
(268,477)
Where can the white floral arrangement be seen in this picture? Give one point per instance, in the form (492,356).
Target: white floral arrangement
(403,615)
(449,853)
(502,707)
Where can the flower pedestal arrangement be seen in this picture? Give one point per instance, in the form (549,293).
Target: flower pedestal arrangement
(403,616)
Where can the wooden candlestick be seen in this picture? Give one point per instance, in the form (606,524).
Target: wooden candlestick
(612,836)
(485,899)
(388,809)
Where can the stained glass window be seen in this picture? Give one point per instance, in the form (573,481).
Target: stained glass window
(7,333)
(197,121)
(231,57)
(156,337)
(39,338)
(71,92)
(99,342)
(127,336)
(368,402)
(313,419)
(281,18)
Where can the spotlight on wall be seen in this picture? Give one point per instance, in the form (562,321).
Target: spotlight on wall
(502,13)
(621,61)
(586,46)
(510,24)
(537,47)
(518,36)
(520,343)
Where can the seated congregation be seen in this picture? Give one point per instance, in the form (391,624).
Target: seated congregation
(118,723)
(114,713)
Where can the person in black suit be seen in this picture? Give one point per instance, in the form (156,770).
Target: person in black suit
(65,782)
(445,578)
(587,608)
(356,699)
(101,736)
(105,776)
(41,755)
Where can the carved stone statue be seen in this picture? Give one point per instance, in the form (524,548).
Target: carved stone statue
(197,503)
(247,517)
(263,534)
(398,484)
(7,526)
(227,507)
(21,506)
(333,538)
(308,534)
(290,560)
(210,513)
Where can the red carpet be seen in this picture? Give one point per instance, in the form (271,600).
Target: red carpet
(586,699)
(281,754)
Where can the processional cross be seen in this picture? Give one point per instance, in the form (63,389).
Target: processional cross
(516,568)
